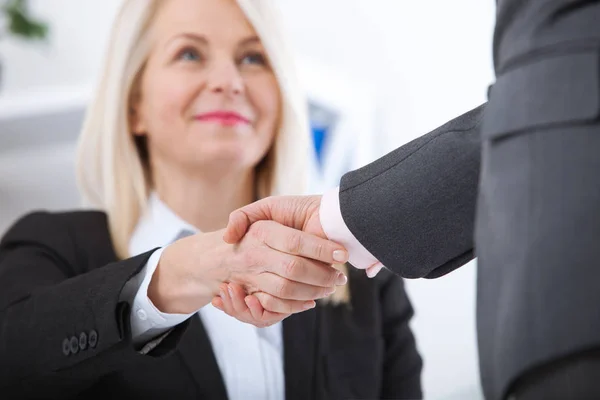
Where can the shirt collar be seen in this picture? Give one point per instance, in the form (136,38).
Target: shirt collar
(157,227)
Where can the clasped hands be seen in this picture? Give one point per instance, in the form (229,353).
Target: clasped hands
(302,214)
(272,260)
(298,212)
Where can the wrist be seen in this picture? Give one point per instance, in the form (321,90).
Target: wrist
(164,293)
(188,274)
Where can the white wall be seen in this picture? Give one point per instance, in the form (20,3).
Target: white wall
(430,60)
(72,53)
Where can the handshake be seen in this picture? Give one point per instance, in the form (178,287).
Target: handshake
(272,260)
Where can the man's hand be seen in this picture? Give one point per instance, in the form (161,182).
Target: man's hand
(298,212)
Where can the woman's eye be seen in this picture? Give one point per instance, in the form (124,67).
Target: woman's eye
(189,55)
(254,59)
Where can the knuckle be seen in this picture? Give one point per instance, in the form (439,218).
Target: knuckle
(282,289)
(320,250)
(333,273)
(294,243)
(290,265)
(251,287)
(258,231)
(288,308)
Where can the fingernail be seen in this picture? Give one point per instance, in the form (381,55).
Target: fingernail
(341,279)
(309,304)
(230,290)
(330,291)
(340,255)
(222,293)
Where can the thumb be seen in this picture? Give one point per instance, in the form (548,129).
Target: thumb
(238,224)
(241,219)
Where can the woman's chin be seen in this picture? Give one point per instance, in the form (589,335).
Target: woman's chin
(227,160)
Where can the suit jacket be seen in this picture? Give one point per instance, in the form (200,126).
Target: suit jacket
(534,151)
(64,333)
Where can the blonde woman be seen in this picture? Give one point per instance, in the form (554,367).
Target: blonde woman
(196,115)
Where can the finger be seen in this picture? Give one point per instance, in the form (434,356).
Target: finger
(253,312)
(296,242)
(286,289)
(276,305)
(227,304)
(374,269)
(260,314)
(237,295)
(256,309)
(302,270)
(217,302)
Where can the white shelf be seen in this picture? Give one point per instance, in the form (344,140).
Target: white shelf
(42,101)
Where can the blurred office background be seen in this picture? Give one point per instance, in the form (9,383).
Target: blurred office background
(379,73)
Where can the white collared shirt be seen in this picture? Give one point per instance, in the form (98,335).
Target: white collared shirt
(250,359)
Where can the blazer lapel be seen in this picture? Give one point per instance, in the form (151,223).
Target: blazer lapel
(196,351)
(300,354)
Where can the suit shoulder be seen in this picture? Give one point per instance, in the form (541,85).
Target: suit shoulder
(54,224)
(40,218)
(80,238)
(465,122)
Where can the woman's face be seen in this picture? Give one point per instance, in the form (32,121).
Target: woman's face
(207,96)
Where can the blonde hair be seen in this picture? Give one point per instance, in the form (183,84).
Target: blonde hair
(111,172)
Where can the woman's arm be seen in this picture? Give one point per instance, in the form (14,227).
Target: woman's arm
(402,362)
(61,327)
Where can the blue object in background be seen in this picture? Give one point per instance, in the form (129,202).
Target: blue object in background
(319,134)
(322,120)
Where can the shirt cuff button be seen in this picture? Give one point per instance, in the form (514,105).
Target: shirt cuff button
(141,314)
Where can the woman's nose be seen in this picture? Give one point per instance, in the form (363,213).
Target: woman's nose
(225,78)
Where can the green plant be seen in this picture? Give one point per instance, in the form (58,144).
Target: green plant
(20,23)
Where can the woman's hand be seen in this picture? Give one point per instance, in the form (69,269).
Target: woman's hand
(234,301)
(291,266)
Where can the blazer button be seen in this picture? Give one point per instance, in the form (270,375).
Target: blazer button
(83,341)
(66,346)
(74,345)
(93,338)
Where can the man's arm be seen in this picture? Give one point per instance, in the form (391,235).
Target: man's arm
(414,209)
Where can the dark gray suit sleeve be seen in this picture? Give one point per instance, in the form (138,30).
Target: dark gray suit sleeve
(414,209)
(49,306)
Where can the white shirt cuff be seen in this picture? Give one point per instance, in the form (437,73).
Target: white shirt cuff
(147,321)
(336,230)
